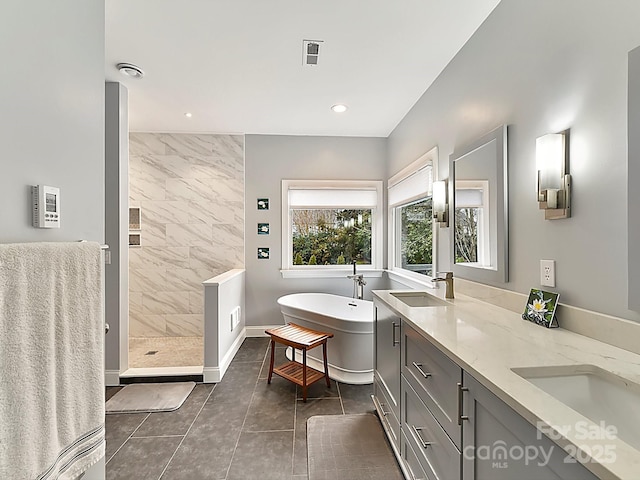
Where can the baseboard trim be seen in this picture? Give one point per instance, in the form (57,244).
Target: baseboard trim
(258,330)
(211,375)
(112,378)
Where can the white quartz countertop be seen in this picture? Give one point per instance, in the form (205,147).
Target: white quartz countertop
(488,341)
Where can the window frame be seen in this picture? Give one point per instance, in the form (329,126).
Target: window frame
(289,270)
(394,256)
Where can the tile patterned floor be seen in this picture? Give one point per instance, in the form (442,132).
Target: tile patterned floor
(170,352)
(238,429)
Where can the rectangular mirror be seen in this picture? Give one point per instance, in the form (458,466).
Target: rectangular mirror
(479,215)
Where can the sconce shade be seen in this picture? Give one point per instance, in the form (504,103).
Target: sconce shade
(550,160)
(439,196)
(440,205)
(553,179)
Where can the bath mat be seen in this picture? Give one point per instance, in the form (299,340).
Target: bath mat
(349,447)
(149,397)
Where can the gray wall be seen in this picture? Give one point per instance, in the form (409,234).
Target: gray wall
(268,160)
(52,116)
(542,67)
(52,120)
(116,286)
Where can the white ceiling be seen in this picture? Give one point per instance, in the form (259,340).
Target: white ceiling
(236,65)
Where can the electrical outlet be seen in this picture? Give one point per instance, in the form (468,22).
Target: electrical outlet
(548,273)
(235,317)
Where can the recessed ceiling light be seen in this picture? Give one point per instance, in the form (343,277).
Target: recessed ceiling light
(188,115)
(130,70)
(339,108)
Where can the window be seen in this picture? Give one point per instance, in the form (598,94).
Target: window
(329,224)
(411,234)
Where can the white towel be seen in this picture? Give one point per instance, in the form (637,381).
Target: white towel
(51,360)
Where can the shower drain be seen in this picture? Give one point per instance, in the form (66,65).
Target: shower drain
(151,352)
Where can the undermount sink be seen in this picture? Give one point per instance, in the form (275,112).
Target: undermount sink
(418,299)
(599,395)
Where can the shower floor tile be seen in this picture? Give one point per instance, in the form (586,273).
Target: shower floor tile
(153,352)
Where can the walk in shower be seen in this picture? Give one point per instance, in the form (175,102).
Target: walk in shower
(186,192)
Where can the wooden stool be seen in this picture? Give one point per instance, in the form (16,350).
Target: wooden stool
(304,339)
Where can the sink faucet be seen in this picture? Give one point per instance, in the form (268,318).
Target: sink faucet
(448,279)
(359,282)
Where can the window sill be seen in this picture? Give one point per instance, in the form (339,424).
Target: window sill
(410,281)
(329,273)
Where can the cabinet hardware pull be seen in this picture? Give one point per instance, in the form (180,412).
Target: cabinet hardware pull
(422,372)
(417,431)
(395,342)
(379,406)
(461,417)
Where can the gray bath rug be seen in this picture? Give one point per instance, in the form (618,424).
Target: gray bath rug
(349,447)
(149,397)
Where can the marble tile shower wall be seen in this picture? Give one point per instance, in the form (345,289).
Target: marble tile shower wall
(190,190)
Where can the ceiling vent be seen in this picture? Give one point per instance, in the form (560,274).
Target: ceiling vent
(130,70)
(311,52)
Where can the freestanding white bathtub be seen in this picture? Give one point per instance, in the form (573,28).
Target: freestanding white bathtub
(350,351)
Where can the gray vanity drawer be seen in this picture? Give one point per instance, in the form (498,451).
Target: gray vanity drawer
(435,451)
(412,463)
(387,416)
(434,377)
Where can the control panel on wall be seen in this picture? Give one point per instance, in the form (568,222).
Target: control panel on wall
(46,206)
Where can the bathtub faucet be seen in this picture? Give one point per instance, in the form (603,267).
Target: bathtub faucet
(359,283)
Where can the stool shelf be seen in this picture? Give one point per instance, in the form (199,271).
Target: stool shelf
(292,371)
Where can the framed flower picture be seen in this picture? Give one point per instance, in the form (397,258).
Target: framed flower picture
(541,308)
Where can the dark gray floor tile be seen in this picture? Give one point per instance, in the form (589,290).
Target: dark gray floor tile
(110,392)
(252,350)
(178,421)
(237,384)
(207,450)
(279,358)
(118,428)
(262,456)
(356,398)
(216,418)
(320,390)
(304,411)
(142,458)
(315,406)
(272,406)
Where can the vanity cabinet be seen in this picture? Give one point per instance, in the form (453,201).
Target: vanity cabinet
(386,383)
(434,377)
(445,425)
(498,444)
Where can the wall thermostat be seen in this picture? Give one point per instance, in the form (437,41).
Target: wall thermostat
(46,206)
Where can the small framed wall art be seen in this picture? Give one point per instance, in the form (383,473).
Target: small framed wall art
(263,229)
(263,253)
(541,308)
(263,204)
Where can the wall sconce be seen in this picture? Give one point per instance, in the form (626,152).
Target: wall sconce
(440,204)
(554,181)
